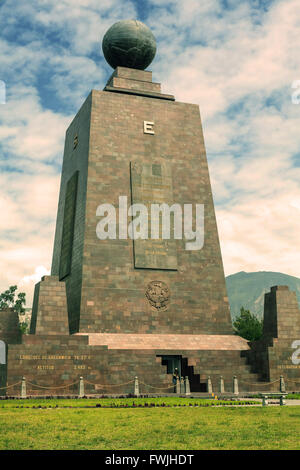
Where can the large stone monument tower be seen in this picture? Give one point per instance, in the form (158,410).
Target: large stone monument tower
(130,140)
(117,306)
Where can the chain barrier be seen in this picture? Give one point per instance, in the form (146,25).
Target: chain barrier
(157,388)
(293,381)
(10,386)
(261,384)
(108,385)
(52,388)
(86,382)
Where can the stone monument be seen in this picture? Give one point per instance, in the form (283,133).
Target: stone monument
(119,307)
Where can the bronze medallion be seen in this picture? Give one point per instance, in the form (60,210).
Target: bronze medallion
(158,294)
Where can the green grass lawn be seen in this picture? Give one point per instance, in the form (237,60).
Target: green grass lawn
(189,428)
(293,396)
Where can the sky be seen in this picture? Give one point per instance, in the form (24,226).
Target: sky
(237,59)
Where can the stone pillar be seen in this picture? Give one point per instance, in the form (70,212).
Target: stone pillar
(178,385)
(282,384)
(136,387)
(281,321)
(280,312)
(49,309)
(235,385)
(182,388)
(265,401)
(187,387)
(209,385)
(221,385)
(81,387)
(23,388)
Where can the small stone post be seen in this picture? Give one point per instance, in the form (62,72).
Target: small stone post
(209,385)
(81,387)
(177,385)
(221,385)
(282,384)
(265,401)
(187,387)
(136,387)
(23,388)
(182,387)
(235,385)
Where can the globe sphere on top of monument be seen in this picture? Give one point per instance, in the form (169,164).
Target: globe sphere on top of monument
(129,43)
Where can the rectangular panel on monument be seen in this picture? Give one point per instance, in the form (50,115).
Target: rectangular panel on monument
(68,227)
(151,183)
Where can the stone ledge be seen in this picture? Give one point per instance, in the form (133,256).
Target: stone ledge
(149,94)
(167,341)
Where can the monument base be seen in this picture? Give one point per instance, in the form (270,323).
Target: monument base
(109,363)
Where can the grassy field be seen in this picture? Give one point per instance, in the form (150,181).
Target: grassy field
(157,428)
(293,396)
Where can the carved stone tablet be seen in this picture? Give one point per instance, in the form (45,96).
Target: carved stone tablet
(151,183)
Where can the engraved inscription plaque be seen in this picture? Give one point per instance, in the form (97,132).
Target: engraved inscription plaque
(151,183)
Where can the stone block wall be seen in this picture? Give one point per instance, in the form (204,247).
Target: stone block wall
(9,326)
(9,334)
(50,313)
(111,291)
(273,355)
(54,362)
(75,159)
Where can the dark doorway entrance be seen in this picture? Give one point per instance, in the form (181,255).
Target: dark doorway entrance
(194,379)
(181,363)
(172,363)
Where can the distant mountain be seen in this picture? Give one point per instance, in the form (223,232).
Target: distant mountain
(248,289)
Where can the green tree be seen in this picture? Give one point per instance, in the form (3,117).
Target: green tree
(24,327)
(248,326)
(8,299)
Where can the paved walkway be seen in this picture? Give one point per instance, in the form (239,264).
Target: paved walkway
(292,402)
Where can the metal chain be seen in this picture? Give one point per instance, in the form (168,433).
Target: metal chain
(259,383)
(52,388)
(131,381)
(294,381)
(158,388)
(108,385)
(9,386)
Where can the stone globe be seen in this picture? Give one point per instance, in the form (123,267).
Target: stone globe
(129,43)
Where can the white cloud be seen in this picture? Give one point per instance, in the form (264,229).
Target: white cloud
(40,271)
(29,131)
